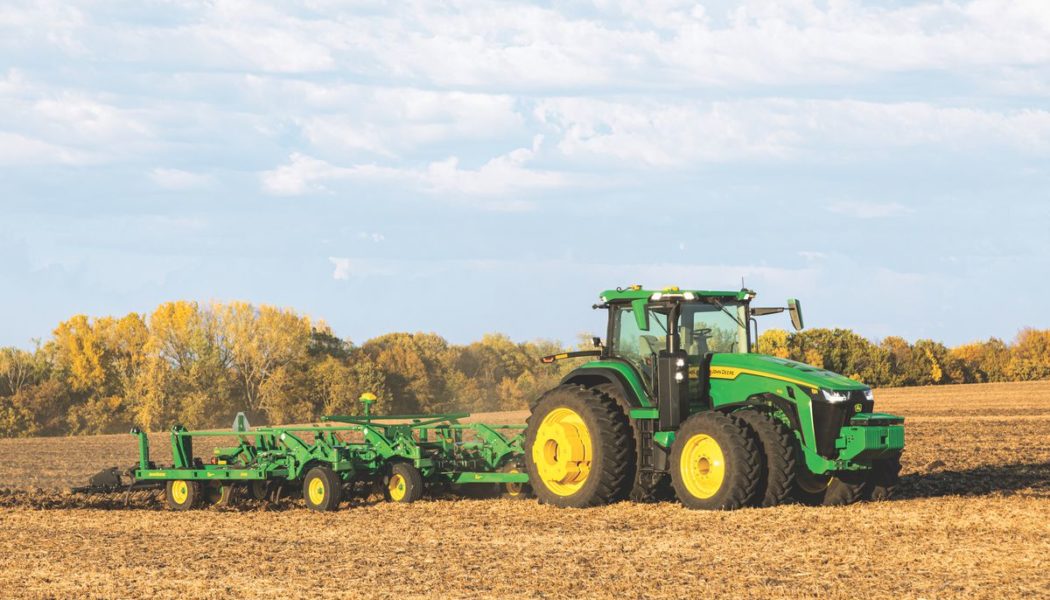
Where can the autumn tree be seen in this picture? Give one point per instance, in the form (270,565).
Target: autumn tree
(262,343)
(1030,355)
(188,376)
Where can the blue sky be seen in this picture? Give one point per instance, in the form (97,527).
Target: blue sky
(492,167)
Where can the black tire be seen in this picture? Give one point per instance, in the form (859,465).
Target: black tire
(404,483)
(827,490)
(645,487)
(182,498)
(218,494)
(260,490)
(741,462)
(610,470)
(514,491)
(776,445)
(882,479)
(322,489)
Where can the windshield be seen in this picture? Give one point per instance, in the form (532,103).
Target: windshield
(710,328)
(637,346)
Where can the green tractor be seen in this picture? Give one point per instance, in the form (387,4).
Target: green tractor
(676,402)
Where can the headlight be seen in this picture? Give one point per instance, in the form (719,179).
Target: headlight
(831,396)
(869,395)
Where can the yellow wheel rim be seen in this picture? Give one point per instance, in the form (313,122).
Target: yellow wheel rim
(398,487)
(514,489)
(180,491)
(703,466)
(316,491)
(563,452)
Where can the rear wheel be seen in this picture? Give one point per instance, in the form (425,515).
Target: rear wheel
(322,489)
(404,484)
(646,487)
(714,463)
(579,450)
(182,495)
(777,448)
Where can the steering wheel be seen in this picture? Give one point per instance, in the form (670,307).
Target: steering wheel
(704,331)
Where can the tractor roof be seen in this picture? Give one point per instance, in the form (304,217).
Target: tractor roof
(635,292)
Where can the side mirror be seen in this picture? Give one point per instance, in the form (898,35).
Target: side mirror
(795,309)
(596,342)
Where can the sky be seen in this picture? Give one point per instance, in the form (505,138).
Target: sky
(469,167)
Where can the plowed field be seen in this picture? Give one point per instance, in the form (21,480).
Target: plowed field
(972,520)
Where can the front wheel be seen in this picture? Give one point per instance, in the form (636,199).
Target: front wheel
(715,464)
(827,490)
(883,479)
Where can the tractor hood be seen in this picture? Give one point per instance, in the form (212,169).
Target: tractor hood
(729,366)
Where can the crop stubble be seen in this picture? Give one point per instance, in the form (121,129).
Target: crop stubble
(973,520)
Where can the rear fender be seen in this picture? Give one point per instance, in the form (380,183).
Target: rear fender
(621,376)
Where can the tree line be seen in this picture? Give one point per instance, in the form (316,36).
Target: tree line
(199,365)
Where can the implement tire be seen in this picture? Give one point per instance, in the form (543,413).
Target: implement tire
(776,445)
(579,449)
(715,462)
(514,491)
(182,495)
(322,489)
(404,484)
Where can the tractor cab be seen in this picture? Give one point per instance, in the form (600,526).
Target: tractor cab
(682,325)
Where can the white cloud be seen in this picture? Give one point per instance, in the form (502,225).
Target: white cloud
(374,236)
(674,134)
(177,179)
(18,149)
(342,268)
(869,210)
(506,174)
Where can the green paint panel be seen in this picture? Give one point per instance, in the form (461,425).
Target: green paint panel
(628,374)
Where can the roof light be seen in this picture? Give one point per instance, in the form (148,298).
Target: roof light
(690,296)
(656,296)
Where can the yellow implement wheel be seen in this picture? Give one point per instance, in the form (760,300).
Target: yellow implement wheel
(563,451)
(404,484)
(514,491)
(322,489)
(316,491)
(182,495)
(179,492)
(703,466)
(397,487)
